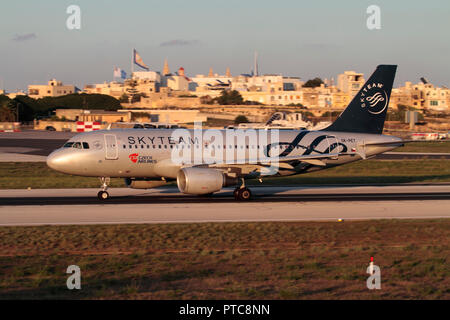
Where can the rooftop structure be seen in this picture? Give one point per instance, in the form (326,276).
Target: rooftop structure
(54,88)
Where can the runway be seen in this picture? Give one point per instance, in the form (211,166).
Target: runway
(80,206)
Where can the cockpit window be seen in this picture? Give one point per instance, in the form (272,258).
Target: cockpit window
(78,145)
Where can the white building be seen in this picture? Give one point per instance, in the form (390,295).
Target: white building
(54,88)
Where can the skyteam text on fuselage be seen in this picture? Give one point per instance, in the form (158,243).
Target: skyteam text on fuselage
(205,161)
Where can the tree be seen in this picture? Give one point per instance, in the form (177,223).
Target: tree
(6,114)
(132,91)
(241,119)
(312,83)
(230,98)
(124,98)
(206,100)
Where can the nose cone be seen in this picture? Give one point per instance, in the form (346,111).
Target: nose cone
(52,160)
(57,160)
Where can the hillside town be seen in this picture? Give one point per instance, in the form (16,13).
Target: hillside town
(173,97)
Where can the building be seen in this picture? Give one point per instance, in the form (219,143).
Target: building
(212,82)
(421,96)
(176,82)
(114,89)
(93,115)
(12,95)
(54,88)
(350,82)
(165,116)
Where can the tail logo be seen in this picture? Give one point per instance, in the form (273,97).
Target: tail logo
(374,98)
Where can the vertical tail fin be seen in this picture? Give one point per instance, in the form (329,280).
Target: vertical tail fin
(367,111)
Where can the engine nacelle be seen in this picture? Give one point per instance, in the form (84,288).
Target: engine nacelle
(202,180)
(143,184)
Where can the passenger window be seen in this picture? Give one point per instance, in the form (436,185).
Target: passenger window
(86,145)
(77,145)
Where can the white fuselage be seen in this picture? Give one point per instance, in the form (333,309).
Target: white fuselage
(152,153)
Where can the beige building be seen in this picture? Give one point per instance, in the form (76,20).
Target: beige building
(350,82)
(93,115)
(165,116)
(12,95)
(421,96)
(54,88)
(178,82)
(340,100)
(115,89)
(128,115)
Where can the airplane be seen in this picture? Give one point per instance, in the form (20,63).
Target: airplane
(144,157)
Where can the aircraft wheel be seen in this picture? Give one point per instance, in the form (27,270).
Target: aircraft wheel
(244,194)
(103,195)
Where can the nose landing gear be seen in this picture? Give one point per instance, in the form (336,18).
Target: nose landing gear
(103,194)
(242,193)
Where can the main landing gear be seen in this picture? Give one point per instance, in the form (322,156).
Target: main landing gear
(242,193)
(103,194)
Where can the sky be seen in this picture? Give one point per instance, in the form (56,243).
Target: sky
(292,38)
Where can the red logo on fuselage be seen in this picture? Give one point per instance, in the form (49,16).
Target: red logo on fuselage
(133,157)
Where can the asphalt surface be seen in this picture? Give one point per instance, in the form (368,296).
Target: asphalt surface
(221,198)
(80,206)
(38,147)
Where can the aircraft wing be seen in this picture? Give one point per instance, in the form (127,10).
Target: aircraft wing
(360,148)
(387,143)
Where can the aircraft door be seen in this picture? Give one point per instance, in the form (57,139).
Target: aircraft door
(112,151)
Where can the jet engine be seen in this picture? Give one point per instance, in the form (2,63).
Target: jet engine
(143,184)
(203,180)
